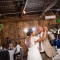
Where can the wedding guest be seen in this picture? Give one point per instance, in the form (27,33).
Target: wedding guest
(11,47)
(17,50)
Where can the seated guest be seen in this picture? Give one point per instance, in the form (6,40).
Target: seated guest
(17,50)
(11,47)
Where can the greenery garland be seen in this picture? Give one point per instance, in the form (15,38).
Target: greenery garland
(1,27)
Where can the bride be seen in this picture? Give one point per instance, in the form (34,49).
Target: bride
(32,42)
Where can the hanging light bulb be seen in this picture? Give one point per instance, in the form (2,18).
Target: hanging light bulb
(25,30)
(24,11)
(33,28)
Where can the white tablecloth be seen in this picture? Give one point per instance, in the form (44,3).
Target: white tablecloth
(57,57)
(11,52)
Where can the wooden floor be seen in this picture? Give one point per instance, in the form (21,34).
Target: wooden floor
(24,58)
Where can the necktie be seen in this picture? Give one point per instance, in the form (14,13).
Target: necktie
(40,48)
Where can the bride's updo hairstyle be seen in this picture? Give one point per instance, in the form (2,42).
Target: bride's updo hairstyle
(29,32)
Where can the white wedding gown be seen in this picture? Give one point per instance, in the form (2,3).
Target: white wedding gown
(33,53)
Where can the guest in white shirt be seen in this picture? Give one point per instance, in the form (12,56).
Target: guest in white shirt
(17,50)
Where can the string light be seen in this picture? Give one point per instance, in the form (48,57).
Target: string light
(14,5)
(24,11)
(26,30)
(38,3)
(10,6)
(33,28)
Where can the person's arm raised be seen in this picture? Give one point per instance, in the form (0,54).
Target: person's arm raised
(42,38)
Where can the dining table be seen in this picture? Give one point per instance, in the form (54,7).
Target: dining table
(11,52)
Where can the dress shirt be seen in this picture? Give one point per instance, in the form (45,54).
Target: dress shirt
(17,49)
(41,48)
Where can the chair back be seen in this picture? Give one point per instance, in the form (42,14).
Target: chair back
(21,53)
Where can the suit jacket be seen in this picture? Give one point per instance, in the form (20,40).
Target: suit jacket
(4,55)
(47,46)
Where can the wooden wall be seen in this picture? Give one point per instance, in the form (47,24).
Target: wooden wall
(15,30)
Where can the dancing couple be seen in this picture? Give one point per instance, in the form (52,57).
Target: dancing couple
(33,42)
